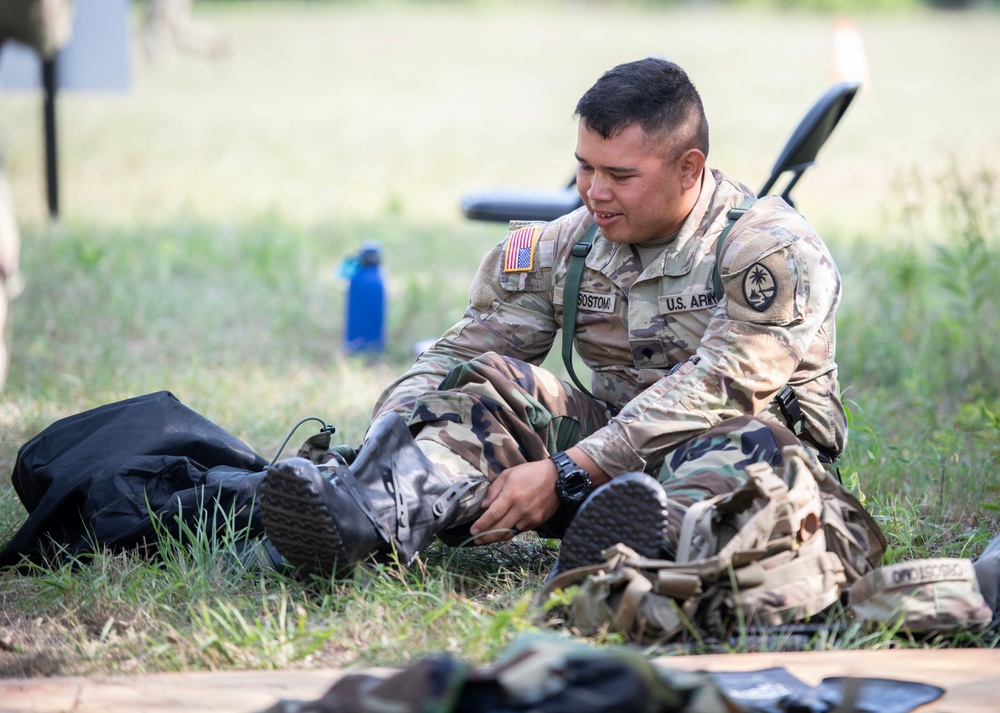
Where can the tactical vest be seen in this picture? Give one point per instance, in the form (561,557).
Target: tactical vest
(779,549)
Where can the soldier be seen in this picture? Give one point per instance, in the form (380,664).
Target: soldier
(44,25)
(705,357)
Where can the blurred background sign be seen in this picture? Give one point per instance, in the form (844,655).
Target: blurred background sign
(96,58)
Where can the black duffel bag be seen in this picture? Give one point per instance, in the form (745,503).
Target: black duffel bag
(118,475)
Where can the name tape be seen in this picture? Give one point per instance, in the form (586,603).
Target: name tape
(911,574)
(595,303)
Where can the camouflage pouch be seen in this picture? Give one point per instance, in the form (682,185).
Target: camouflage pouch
(851,532)
(928,595)
(623,596)
(759,552)
(45,25)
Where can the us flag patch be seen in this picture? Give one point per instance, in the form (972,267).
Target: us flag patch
(520,255)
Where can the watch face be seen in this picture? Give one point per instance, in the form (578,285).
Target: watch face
(573,486)
(573,483)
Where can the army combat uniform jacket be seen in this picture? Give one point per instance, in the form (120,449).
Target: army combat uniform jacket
(664,353)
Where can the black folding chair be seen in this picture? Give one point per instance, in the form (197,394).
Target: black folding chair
(506,204)
(799,154)
(809,136)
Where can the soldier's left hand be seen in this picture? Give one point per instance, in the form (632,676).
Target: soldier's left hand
(520,499)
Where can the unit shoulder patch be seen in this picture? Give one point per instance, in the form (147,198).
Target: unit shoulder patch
(519,255)
(759,287)
(765,292)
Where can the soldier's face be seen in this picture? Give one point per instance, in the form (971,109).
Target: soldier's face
(631,185)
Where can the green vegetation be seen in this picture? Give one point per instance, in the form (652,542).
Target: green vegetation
(925,442)
(205,214)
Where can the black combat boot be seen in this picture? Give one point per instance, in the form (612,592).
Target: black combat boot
(630,509)
(392,498)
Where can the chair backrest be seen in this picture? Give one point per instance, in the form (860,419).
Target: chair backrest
(798,154)
(809,136)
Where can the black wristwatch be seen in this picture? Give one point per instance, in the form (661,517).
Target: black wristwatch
(573,482)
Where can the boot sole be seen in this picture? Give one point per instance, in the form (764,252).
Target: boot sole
(631,509)
(298,522)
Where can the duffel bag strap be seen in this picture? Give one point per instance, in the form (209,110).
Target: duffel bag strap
(637,588)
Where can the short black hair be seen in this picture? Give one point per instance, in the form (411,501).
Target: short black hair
(654,93)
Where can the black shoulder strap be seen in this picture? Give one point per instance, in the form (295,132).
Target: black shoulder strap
(733,215)
(570,295)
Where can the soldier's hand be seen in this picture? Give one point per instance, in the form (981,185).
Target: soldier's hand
(520,499)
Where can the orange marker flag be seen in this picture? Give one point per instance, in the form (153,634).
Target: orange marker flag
(849,58)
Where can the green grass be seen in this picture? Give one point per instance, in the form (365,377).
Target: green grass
(205,214)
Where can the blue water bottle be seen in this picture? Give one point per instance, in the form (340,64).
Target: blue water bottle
(365,329)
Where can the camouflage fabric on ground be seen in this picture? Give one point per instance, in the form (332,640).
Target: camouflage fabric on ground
(939,594)
(538,673)
(544,674)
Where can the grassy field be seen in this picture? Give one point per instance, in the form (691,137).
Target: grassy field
(206,211)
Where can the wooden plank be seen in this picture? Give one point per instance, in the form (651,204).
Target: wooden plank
(236,691)
(971,678)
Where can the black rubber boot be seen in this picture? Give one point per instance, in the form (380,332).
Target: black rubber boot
(391,499)
(631,509)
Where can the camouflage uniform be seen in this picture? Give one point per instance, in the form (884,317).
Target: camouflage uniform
(668,362)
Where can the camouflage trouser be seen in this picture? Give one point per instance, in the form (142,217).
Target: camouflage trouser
(715,462)
(493,413)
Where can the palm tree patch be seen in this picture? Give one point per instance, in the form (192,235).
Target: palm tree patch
(759,288)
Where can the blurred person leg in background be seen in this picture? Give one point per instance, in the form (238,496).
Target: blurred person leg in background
(45,26)
(10,282)
(168,26)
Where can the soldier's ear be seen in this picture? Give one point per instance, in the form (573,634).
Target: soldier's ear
(691,164)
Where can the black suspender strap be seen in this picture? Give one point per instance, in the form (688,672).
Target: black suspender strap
(733,215)
(570,294)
